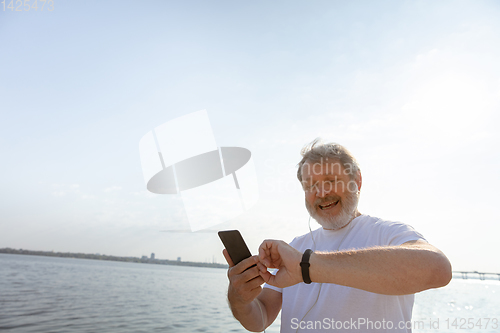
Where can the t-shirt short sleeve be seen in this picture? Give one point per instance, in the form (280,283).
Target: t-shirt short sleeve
(280,290)
(400,233)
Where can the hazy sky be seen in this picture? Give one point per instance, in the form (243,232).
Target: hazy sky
(412,88)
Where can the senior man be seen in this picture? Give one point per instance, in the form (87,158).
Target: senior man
(357,273)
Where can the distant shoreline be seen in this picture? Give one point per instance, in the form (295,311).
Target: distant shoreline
(456,274)
(112,258)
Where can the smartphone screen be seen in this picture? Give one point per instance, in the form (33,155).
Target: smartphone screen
(235,245)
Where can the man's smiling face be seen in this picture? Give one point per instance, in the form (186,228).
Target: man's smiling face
(331,195)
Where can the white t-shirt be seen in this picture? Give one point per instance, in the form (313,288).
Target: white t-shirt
(346,309)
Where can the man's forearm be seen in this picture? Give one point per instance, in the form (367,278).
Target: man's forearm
(251,315)
(396,270)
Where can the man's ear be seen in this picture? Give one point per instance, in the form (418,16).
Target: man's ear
(360,180)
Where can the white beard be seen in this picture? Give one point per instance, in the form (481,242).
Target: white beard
(340,220)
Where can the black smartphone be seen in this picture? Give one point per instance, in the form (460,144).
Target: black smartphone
(235,245)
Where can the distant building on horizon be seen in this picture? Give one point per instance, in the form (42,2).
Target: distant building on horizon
(152,255)
(178,258)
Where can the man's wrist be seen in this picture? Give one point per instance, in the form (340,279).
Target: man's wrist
(321,262)
(239,308)
(251,315)
(313,261)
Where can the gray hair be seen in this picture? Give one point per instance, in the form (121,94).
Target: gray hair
(320,151)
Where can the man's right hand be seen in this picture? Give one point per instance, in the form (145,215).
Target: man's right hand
(244,284)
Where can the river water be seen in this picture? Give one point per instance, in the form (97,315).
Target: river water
(47,294)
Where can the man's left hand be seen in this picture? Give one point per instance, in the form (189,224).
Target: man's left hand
(280,255)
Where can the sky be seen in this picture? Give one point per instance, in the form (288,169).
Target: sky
(411,88)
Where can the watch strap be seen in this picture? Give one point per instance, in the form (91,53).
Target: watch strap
(304,265)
